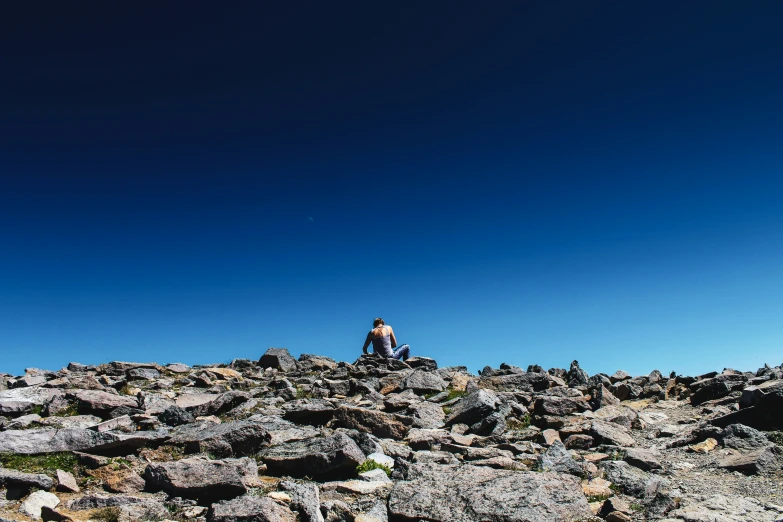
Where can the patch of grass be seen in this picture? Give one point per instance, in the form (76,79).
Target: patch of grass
(598,498)
(616,488)
(71,411)
(515,424)
(125,390)
(119,463)
(454,394)
(617,455)
(636,507)
(776,437)
(47,463)
(447,410)
(37,409)
(301,393)
(370,464)
(107,514)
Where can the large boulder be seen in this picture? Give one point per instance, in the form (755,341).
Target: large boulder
(516,382)
(764,415)
(12,478)
(558,458)
(466,493)
(335,456)
(221,404)
(632,480)
(278,358)
(250,508)
(559,406)
(204,480)
(225,439)
(741,437)
(423,381)
(379,423)
(765,460)
(36,501)
(733,508)
(101,403)
(610,433)
(305,499)
(37,441)
(473,407)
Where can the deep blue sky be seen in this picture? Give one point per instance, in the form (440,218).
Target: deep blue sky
(520,182)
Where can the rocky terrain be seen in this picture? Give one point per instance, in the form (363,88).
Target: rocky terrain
(315,440)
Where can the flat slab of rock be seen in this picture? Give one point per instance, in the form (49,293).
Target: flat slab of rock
(36,441)
(473,407)
(226,439)
(36,501)
(101,403)
(379,423)
(610,433)
(720,508)
(766,460)
(204,480)
(323,456)
(10,477)
(465,493)
(246,508)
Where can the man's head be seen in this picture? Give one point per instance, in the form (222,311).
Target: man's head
(377,322)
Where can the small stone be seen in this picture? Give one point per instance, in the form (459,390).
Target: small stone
(597,487)
(704,447)
(617,516)
(381,459)
(37,500)
(549,437)
(66,482)
(280,495)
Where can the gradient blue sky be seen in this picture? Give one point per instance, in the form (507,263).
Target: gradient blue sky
(520,182)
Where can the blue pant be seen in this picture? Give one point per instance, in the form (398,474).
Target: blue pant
(401,352)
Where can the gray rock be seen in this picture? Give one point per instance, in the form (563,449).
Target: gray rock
(617,414)
(644,459)
(466,493)
(558,458)
(176,416)
(619,376)
(204,480)
(741,437)
(425,363)
(516,382)
(559,406)
(315,412)
(576,376)
(37,500)
(66,482)
(131,507)
(335,456)
(310,363)
(609,433)
(473,407)
(429,414)
(13,478)
(765,460)
(37,441)
(146,374)
(101,403)
(631,480)
(251,509)
(221,404)
(423,381)
(380,424)
(305,499)
(720,508)
(226,439)
(278,358)
(764,415)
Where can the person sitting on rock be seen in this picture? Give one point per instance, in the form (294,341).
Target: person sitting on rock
(384,343)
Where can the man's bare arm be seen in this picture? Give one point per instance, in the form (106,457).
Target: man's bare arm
(366,343)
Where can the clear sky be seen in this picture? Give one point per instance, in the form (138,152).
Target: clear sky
(520,182)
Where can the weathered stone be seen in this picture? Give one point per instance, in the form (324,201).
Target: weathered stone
(619,375)
(704,446)
(146,374)
(559,406)
(225,439)
(337,455)
(13,478)
(124,481)
(644,459)
(423,381)
(578,441)
(315,412)
(204,480)
(101,403)
(424,363)
(250,508)
(557,458)
(305,500)
(278,358)
(631,480)
(722,508)
(741,437)
(609,433)
(37,500)
(430,415)
(549,437)
(66,482)
(310,363)
(35,441)
(516,382)
(473,407)
(380,424)
(466,493)
(221,404)
(765,460)
(617,414)
(176,416)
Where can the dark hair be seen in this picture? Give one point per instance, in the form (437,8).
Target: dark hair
(377,322)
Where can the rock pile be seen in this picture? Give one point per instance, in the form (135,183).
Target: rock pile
(315,440)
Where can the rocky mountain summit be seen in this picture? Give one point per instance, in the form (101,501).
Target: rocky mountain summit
(380,440)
